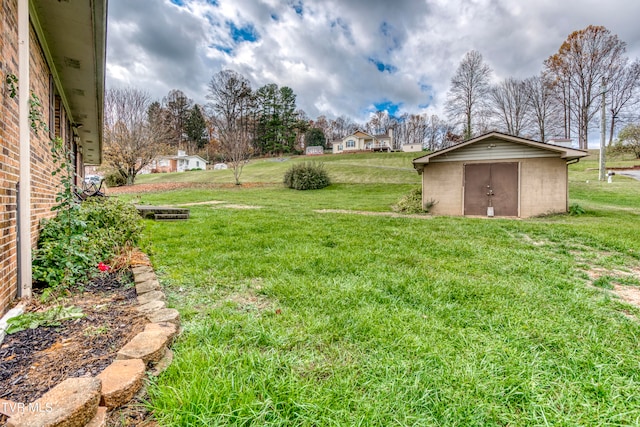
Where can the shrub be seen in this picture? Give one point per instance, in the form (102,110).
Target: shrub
(115,179)
(307,176)
(411,203)
(72,244)
(575,209)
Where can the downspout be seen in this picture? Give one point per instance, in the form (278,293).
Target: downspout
(24,192)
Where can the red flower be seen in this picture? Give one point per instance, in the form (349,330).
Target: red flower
(103,267)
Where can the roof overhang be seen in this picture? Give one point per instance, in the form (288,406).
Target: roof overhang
(566,153)
(73,36)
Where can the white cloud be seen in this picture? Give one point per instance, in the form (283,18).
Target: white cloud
(330,52)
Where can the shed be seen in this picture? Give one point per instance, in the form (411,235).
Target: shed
(497,174)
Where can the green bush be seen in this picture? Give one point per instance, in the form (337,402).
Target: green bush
(575,209)
(115,179)
(307,176)
(72,244)
(411,203)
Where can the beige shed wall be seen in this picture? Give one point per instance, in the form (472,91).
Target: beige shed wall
(543,186)
(442,182)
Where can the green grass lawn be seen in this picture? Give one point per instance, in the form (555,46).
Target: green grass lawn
(392,168)
(294,317)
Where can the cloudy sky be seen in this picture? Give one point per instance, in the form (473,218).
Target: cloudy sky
(345,57)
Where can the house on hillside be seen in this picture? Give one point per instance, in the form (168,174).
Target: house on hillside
(179,163)
(54,50)
(362,141)
(497,175)
(411,148)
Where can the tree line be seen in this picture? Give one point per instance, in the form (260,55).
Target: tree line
(238,122)
(563,100)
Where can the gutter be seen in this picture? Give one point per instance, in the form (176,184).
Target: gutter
(24,183)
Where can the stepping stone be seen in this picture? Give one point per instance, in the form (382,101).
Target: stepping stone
(148,286)
(163,364)
(150,307)
(148,346)
(145,277)
(151,296)
(121,381)
(72,403)
(169,329)
(100,420)
(170,315)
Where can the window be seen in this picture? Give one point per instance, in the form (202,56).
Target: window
(53,129)
(197,163)
(340,148)
(351,143)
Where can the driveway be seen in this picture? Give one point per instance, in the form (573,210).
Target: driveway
(633,173)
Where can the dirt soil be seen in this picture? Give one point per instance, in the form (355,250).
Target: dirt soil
(34,360)
(168,186)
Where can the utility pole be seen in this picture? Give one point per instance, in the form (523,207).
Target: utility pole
(603,132)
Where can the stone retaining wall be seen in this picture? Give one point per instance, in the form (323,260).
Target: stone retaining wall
(84,402)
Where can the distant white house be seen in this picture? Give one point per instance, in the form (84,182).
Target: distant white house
(362,141)
(180,163)
(410,148)
(314,150)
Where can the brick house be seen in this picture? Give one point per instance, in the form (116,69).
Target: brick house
(54,50)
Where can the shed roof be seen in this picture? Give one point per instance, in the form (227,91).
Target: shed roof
(563,152)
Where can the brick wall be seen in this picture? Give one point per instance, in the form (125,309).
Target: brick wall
(42,191)
(43,187)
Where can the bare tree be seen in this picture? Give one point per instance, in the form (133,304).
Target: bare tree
(623,93)
(232,106)
(468,93)
(543,106)
(439,134)
(129,137)
(510,101)
(341,127)
(584,60)
(235,146)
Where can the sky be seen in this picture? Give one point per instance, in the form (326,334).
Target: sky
(345,57)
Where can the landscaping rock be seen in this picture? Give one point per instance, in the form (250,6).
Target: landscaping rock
(121,381)
(151,296)
(151,307)
(100,420)
(163,364)
(72,403)
(9,408)
(169,329)
(165,315)
(148,346)
(145,277)
(148,286)
(141,269)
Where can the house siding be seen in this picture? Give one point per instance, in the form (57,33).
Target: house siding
(43,189)
(493,149)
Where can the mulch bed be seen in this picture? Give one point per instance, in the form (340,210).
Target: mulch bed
(34,360)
